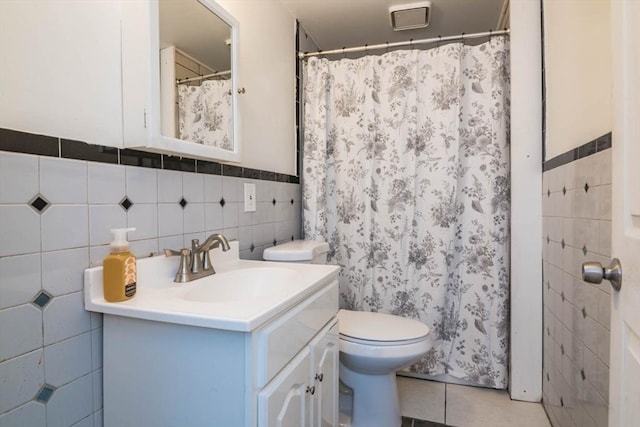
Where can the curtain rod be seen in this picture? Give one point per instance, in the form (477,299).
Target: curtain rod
(207,76)
(462,37)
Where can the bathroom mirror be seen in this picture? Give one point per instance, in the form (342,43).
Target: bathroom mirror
(193,92)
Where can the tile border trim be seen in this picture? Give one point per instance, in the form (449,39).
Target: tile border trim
(592,147)
(43,145)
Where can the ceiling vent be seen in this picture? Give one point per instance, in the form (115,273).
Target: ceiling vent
(410,16)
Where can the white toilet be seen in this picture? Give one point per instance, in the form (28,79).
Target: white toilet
(373,346)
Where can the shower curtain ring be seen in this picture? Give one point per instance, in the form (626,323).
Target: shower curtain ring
(462,38)
(439,41)
(344,54)
(387,47)
(490,34)
(366,48)
(410,43)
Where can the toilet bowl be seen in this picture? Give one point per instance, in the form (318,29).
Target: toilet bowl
(373,346)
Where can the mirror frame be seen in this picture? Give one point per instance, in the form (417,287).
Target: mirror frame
(153,118)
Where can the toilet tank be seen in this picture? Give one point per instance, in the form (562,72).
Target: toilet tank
(302,251)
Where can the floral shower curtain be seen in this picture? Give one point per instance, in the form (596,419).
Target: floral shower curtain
(205,115)
(406,175)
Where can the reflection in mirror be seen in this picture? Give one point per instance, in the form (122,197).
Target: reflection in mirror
(195,74)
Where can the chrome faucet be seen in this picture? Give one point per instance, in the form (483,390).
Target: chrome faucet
(195,263)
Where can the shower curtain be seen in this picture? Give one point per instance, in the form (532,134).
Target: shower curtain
(205,115)
(406,175)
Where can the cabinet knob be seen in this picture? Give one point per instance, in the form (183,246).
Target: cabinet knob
(241,90)
(320,377)
(311,389)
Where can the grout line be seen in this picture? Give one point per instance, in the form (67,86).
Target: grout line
(445,403)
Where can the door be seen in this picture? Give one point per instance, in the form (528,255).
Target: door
(624,389)
(325,352)
(284,402)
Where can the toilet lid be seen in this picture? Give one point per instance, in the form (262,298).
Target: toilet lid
(379,326)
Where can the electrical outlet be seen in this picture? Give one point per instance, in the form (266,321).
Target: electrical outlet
(249,197)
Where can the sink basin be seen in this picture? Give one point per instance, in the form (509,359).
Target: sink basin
(243,285)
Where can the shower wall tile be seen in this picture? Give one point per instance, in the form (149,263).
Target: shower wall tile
(46,247)
(576,228)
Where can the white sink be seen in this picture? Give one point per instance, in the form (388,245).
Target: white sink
(243,285)
(241,296)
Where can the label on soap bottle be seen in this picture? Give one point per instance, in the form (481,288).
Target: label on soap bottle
(130,277)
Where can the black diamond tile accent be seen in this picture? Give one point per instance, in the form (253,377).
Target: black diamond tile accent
(562,296)
(252,248)
(548,377)
(584,377)
(586,187)
(42,299)
(548,285)
(291,201)
(548,239)
(274,202)
(562,243)
(564,191)
(222,202)
(183,202)
(126,203)
(275,242)
(584,312)
(584,250)
(39,203)
(548,331)
(562,349)
(548,193)
(562,402)
(45,393)
(292,238)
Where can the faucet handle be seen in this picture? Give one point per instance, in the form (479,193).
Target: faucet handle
(182,275)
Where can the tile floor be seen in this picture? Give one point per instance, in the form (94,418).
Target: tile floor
(463,406)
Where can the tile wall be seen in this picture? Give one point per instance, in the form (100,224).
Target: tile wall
(576,228)
(55,216)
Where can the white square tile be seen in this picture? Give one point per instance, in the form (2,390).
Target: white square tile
(230,233)
(102,218)
(19,230)
(18,177)
(65,227)
(85,422)
(20,330)
(213,216)
(269,232)
(144,217)
(142,184)
(186,242)
(171,242)
(19,279)
(169,186)
(479,407)
(170,219)
(63,180)
(421,399)
(63,271)
(98,418)
(265,191)
(65,317)
(230,215)
(144,248)
(71,403)
(21,378)
(212,188)
(245,218)
(96,320)
(193,187)
(68,360)
(194,215)
(31,414)
(96,349)
(97,254)
(245,237)
(281,191)
(232,189)
(106,183)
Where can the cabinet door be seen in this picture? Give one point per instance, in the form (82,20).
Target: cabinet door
(284,402)
(325,352)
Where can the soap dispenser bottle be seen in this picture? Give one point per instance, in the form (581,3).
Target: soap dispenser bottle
(119,268)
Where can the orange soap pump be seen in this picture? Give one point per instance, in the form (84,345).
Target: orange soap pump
(119,268)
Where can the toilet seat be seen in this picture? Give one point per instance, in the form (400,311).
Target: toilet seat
(380,329)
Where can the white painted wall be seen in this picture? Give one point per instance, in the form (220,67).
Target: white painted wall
(526,201)
(267,72)
(61,69)
(62,74)
(578,72)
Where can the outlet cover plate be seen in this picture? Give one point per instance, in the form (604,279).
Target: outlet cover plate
(249,197)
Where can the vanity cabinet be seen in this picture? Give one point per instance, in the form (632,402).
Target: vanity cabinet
(305,393)
(282,373)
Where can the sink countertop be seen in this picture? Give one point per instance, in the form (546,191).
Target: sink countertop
(158,298)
